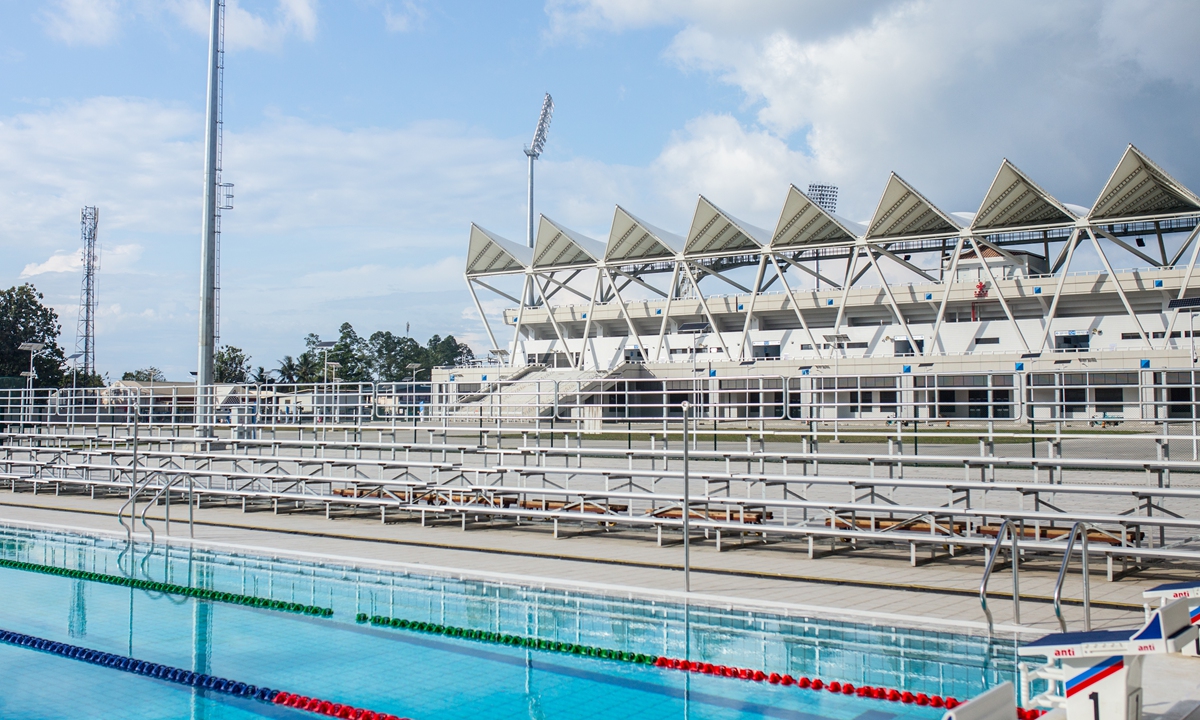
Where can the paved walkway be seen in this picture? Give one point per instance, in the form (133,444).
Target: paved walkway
(931,594)
(876,581)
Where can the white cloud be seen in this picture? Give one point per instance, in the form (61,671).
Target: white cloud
(405,17)
(58,262)
(936,90)
(246,30)
(82,22)
(331,225)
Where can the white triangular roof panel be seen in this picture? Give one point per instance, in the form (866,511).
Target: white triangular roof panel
(1139,188)
(716,232)
(556,246)
(904,212)
(632,239)
(804,224)
(490,254)
(1014,201)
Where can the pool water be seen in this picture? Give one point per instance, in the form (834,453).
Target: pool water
(427,676)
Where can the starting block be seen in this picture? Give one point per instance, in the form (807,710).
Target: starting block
(1177,591)
(1098,675)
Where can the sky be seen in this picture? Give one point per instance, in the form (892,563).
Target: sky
(364,136)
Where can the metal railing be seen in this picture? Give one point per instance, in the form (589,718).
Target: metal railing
(1007,527)
(1079,529)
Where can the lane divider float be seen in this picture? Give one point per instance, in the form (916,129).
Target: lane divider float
(804,683)
(180,676)
(199,593)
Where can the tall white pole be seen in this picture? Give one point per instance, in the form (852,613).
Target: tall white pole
(687,503)
(529,234)
(208,241)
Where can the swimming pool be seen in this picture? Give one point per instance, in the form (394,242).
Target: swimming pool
(224,629)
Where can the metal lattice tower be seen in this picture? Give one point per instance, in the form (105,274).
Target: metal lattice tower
(85,331)
(825,196)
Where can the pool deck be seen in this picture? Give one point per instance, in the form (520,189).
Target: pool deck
(942,593)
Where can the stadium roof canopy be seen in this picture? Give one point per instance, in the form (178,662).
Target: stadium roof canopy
(1139,189)
(804,224)
(1014,202)
(490,254)
(904,213)
(558,247)
(716,232)
(634,240)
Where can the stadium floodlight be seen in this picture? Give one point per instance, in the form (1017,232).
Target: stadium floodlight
(534,151)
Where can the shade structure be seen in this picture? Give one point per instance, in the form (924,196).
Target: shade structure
(1138,189)
(904,213)
(634,240)
(1015,202)
(559,247)
(490,254)
(716,232)
(804,224)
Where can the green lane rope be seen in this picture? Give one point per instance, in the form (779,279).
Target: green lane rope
(199,593)
(506,639)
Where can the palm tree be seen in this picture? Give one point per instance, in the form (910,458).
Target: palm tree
(308,367)
(289,370)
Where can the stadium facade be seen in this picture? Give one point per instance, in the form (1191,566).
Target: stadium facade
(1028,292)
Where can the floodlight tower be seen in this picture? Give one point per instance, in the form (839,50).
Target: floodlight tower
(825,196)
(217,196)
(85,331)
(533,152)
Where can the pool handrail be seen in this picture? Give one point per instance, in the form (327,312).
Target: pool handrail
(1078,529)
(1005,527)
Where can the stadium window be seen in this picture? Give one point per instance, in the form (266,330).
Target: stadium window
(987,341)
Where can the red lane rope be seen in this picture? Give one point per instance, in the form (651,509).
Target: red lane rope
(836,687)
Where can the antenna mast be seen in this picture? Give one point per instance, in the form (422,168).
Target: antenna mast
(85,331)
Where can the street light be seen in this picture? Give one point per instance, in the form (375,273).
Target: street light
(687,505)
(33,348)
(74,366)
(324,348)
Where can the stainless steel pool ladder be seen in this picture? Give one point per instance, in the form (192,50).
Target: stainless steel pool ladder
(1079,529)
(1007,527)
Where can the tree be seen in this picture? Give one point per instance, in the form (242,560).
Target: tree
(231,365)
(391,355)
(351,353)
(288,371)
(262,376)
(23,318)
(146,374)
(448,351)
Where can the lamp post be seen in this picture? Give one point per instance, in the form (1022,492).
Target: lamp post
(74,368)
(33,348)
(687,504)
(325,347)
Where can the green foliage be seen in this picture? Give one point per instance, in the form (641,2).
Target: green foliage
(23,318)
(146,374)
(231,365)
(81,379)
(383,357)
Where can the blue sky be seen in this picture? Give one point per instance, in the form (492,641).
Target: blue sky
(364,136)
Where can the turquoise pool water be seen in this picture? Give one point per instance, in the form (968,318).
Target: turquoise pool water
(424,676)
